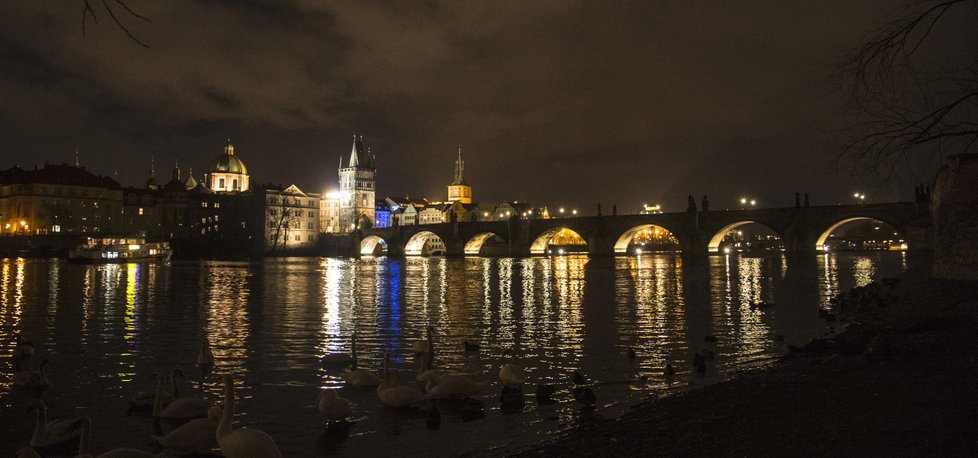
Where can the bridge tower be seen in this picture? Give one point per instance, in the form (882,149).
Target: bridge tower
(459,191)
(357,188)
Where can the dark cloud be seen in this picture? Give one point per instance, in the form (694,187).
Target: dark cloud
(569,102)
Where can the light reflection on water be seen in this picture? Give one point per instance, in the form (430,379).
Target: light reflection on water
(107,329)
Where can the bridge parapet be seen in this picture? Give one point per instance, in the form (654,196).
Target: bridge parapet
(802,229)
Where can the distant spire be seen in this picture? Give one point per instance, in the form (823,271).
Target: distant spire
(459,168)
(191,183)
(152,166)
(176,170)
(341,161)
(229,148)
(77,164)
(356,151)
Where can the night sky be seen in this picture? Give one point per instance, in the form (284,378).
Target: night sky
(558,102)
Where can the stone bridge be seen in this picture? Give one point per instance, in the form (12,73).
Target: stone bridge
(802,229)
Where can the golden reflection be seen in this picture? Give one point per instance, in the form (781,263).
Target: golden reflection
(327,341)
(650,312)
(127,365)
(228,325)
(742,331)
(863,270)
(568,279)
(506,329)
(10,314)
(828,278)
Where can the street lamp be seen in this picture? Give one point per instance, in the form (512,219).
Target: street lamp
(860,197)
(561,210)
(574,211)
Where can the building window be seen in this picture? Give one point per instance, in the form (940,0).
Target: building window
(234,184)
(203,205)
(140,211)
(217,205)
(298,238)
(309,226)
(220,183)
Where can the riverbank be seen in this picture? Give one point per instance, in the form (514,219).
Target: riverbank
(901,380)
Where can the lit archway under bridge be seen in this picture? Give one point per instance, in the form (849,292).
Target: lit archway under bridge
(898,239)
(372,245)
(561,236)
(424,243)
(660,239)
(718,238)
(474,246)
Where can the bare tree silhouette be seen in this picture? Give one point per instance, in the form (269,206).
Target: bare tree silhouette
(903,104)
(89,12)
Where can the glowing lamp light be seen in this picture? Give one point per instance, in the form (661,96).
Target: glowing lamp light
(726,250)
(133,247)
(560,251)
(574,211)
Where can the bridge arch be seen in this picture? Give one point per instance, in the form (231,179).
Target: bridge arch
(823,238)
(424,243)
(717,239)
(541,244)
(371,244)
(646,231)
(474,246)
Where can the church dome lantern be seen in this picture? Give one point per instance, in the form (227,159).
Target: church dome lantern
(227,172)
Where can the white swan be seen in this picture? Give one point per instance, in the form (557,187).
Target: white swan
(86,439)
(426,375)
(146,399)
(423,346)
(23,352)
(27,452)
(180,408)
(394,393)
(359,377)
(205,357)
(511,374)
(341,359)
(196,436)
(333,407)
(53,432)
(454,387)
(33,379)
(241,442)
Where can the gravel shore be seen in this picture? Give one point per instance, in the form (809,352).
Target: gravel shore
(901,380)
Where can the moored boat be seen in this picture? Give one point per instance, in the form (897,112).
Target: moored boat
(119,250)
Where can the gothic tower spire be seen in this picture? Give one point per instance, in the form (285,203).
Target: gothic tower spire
(459,168)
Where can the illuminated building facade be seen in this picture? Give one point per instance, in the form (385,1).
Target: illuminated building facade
(329,213)
(291,219)
(227,173)
(357,188)
(459,191)
(58,199)
(382,214)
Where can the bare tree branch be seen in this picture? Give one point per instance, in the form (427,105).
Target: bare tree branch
(89,11)
(902,107)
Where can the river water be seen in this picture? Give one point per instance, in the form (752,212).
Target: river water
(106,329)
